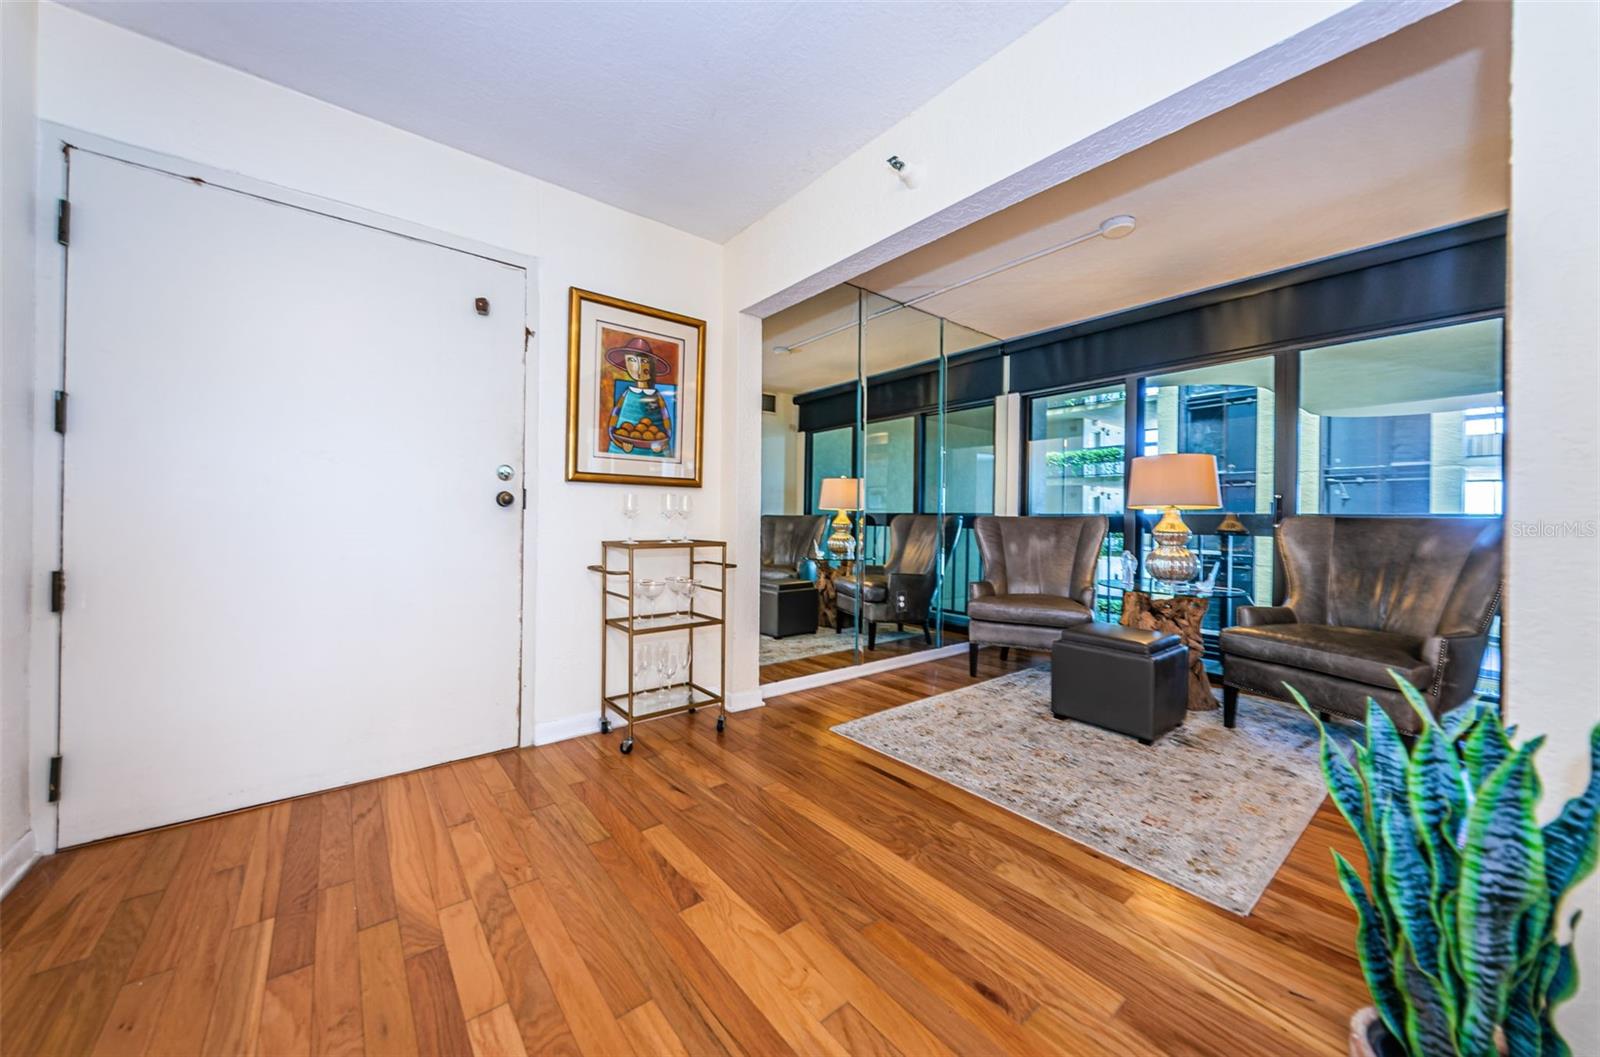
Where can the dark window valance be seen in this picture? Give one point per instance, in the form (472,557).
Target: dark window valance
(1446,274)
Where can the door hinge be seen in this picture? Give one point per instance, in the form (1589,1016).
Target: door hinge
(63,222)
(55,779)
(61,411)
(58,591)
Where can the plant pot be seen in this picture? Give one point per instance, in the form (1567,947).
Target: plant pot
(1369,1036)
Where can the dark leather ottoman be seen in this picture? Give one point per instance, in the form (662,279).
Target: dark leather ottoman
(788,607)
(1129,680)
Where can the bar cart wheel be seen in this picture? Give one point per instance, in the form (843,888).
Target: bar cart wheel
(605,725)
(722,724)
(626,746)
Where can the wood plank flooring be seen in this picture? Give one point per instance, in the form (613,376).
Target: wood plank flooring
(845,657)
(775,890)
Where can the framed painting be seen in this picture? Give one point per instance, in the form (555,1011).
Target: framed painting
(635,392)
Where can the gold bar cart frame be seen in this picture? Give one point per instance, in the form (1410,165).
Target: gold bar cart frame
(633,626)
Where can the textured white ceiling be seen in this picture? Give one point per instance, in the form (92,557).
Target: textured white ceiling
(701,115)
(1406,134)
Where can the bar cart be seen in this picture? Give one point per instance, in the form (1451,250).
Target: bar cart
(619,588)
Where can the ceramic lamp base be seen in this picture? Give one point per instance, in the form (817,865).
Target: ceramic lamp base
(1171,560)
(842,541)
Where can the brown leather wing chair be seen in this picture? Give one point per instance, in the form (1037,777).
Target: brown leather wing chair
(1038,580)
(789,545)
(1368,596)
(901,589)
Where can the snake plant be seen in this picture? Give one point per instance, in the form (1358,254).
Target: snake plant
(1456,923)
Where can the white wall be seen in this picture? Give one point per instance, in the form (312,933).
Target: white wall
(1553,392)
(104,80)
(17,39)
(783,458)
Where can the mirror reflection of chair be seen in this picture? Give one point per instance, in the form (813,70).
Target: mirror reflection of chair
(789,545)
(1038,580)
(900,590)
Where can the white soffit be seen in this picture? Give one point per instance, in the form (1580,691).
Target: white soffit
(702,115)
(1404,135)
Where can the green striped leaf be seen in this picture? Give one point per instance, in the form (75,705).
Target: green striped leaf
(1484,748)
(1430,1030)
(1502,876)
(1560,984)
(1408,887)
(1570,840)
(1438,804)
(1524,1028)
(1456,721)
(1372,950)
(1387,758)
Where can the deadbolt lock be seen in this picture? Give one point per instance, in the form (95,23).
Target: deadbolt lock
(505,473)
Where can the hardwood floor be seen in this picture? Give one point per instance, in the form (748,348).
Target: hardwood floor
(774,890)
(846,657)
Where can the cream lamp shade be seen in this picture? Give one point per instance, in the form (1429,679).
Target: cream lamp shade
(1187,482)
(840,493)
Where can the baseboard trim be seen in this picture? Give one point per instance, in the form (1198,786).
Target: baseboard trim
(555,730)
(16,860)
(840,675)
(577,726)
(744,700)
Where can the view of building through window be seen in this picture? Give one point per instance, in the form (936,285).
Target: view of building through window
(1404,424)
(1076,453)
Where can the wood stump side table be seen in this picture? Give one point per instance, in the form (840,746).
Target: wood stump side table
(1180,616)
(828,592)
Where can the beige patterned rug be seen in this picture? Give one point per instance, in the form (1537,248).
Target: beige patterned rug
(1210,810)
(827,640)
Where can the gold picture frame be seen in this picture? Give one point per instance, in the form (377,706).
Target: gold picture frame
(635,392)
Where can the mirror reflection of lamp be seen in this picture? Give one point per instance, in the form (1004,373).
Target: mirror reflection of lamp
(843,496)
(1173,483)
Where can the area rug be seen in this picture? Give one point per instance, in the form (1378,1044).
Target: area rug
(794,647)
(1209,810)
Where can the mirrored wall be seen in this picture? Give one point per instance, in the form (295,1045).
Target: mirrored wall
(876,454)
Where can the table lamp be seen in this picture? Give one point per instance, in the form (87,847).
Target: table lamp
(842,495)
(1173,483)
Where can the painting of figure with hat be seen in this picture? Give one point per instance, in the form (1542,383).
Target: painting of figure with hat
(635,392)
(639,394)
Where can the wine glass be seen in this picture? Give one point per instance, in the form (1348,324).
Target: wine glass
(643,658)
(675,585)
(686,587)
(683,517)
(650,590)
(668,510)
(671,662)
(630,510)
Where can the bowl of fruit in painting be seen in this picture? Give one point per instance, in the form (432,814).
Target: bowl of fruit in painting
(644,433)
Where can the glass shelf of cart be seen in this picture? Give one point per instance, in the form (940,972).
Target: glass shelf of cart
(647,625)
(657,545)
(650,704)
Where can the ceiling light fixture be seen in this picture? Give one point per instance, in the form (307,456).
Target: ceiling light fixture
(1117,227)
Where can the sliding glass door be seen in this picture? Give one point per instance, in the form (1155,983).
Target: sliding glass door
(1407,424)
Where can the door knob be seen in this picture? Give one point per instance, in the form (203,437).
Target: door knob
(505,499)
(504,472)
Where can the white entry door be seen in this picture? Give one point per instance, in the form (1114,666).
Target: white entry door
(286,563)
